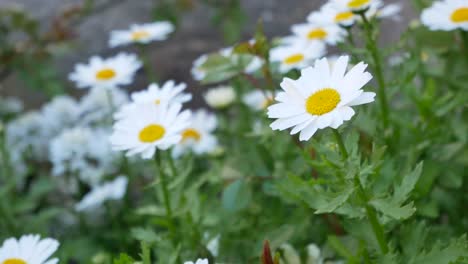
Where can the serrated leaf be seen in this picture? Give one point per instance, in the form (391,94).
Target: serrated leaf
(332,200)
(407,185)
(444,253)
(145,235)
(392,209)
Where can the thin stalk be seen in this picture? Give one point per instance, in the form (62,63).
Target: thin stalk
(350,36)
(372,216)
(464,37)
(341,145)
(167,201)
(376,57)
(147,66)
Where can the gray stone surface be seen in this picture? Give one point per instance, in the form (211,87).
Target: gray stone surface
(172,58)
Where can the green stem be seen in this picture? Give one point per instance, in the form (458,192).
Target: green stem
(9,183)
(372,216)
(464,37)
(350,36)
(167,201)
(147,66)
(376,57)
(341,145)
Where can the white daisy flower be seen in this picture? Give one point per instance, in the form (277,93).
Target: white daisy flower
(199,261)
(113,190)
(322,97)
(149,126)
(29,249)
(446,15)
(83,152)
(106,73)
(169,92)
(297,54)
(353,5)
(258,100)
(331,14)
(309,32)
(220,97)
(198,136)
(142,33)
(385,11)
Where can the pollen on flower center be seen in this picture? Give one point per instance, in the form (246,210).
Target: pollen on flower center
(343,16)
(151,133)
(322,101)
(157,101)
(357,3)
(191,133)
(14,261)
(138,35)
(105,74)
(460,15)
(295,58)
(317,34)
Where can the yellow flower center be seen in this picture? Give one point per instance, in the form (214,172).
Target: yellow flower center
(139,35)
(267,102)
(190,133)
(460,15)
(151,133)
(295,58)
(14,261)
(317,33)
(343,16)
(157,101)
(105,74)
(322,101)
(357,3)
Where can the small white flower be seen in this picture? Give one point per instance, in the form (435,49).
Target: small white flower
(213,245)
(84,152)
(330,14)
(29,249)
(106,73)
(322,97)
(26,133)
(169,92)
(113,190)
(310,32)
(199,261)
(258,100)
(143,33)
(149,126)
(446,15)
(220,97)
(95,106)
(198,137)
(296,54)
(197,72)
(61,112)
(314,254)
(353,5)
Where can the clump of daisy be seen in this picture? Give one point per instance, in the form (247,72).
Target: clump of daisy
(258,100)
(446,15)
(149,126)
(28,249)
(169,92)
(106,73)
(198,136)
(113,190)
(296,54)
(322,97)
(220,97)
(198,261)
(141,33)
(95,105)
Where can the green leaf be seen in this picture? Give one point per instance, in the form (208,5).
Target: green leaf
(145,235)
(236,196)
(444,253)
(394,210)
(407,185)
(331,200)
(124,259)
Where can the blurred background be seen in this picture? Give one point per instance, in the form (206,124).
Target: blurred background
(42,40)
